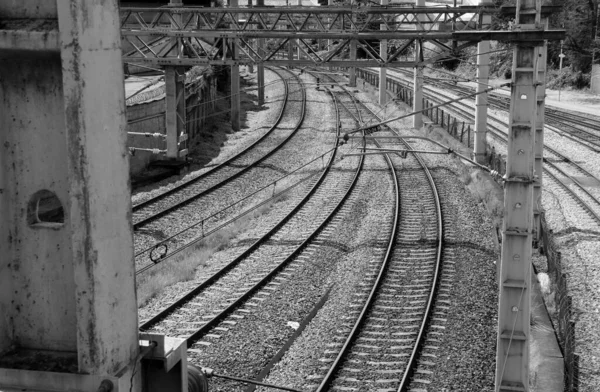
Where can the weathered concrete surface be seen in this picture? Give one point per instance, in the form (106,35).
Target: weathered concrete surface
(547,363)
(66,285)
(98,170)
(36,273)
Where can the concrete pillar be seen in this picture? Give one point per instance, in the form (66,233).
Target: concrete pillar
(418,79)
(382,70)
(329,42)
(481,100)
(175,112)
(352,73)
(260,68)
(175,115)
(512,349)
(539,139)
(235,82)
(67,286)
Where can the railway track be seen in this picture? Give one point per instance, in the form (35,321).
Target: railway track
(564,175)
(385,340)
(580,129)
(188,191)
(272,259)
(182,214)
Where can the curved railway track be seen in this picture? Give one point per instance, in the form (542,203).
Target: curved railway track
(382,343)
(188,191)
(552,168)
(235,289)
(187,203)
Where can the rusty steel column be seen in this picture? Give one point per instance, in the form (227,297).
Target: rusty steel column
(481,100)
(512,351)
(418,77)
(382,70)
(67,286)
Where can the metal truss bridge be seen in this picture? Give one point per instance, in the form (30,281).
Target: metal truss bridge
(321,35)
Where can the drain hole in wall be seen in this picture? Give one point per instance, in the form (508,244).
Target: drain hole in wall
(45,210)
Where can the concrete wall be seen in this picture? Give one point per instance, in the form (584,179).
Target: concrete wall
(149,117)
(37,300)
(142,118)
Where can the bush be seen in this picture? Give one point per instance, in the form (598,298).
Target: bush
(567,78)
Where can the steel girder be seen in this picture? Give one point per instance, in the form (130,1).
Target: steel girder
(191,36)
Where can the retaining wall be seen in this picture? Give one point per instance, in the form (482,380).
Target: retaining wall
(147,115)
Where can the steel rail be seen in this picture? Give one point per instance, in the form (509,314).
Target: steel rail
(498,133)
(578,135)
(228,161)
(224,182)
(343,351)
(224,313)
(215,320)
(412,363)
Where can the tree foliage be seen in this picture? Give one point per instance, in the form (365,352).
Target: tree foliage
(580,20)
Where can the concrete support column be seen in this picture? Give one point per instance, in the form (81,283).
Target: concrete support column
(67,284)
(382,70)
(175,116)
(235,82)
(539,139)
(418,92)
(352,73)
(481,100)
(512,350)
(260,68)
(418,78)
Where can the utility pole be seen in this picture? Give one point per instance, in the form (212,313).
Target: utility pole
(561,56)
(418,77)
(512,349)
(481,100)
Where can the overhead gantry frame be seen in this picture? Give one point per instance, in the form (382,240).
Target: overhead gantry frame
(206,33)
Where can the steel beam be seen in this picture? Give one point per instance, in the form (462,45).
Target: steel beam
(142,27)
(512,352)
(481,101)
